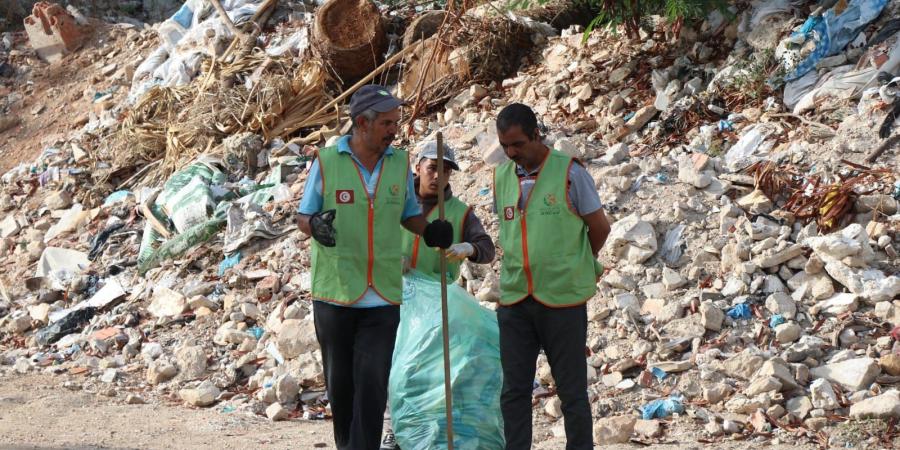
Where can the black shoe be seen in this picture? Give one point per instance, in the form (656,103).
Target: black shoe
(389,443)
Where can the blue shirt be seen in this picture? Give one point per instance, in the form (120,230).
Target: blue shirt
(313,199)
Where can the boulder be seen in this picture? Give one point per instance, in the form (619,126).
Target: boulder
(613,430)
(296,337)
(631,240)
(854,374)
(884,406)
(203,395)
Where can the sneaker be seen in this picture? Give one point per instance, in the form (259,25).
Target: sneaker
(389,443)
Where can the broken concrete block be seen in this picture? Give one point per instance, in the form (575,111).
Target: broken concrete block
(823,395)
(854,374)
(296,337)
(632,240)
(884,406)
(52,31)
(613,430)
(203,395)
(167,303)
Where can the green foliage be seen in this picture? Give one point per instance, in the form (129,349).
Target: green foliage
(633,14)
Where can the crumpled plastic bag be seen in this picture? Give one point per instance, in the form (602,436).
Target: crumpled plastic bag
(662,408)
(416,387)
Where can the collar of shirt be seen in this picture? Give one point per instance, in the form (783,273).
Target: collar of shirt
(343,146)
(521,172)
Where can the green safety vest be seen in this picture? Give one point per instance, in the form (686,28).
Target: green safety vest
(367,251)
(546,251)
(428,260)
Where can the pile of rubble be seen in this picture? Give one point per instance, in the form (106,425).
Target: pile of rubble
(752,286)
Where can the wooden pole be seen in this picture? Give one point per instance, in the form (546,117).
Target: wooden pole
(445,326)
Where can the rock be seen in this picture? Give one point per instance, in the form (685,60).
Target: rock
(640,118)
(18,323)
(890,364)
(788,332)
(671,279)
(627,300)
(191,362)
(553,407)
(132,399)
(296,337)
(286,389)
(167,303)
(268,286)
(201,301)
(58,200)
(613,430)
(783,304)
(40,313)
(160,371)
(816,423)
(839,304)
(775,258)
(743,365)
(648,428)
(762,384)
(716,393)
(616,154)
(755,202)
(22,366)
(885,406)
(632,240)
(611,379)
(776,367)
(229,336)
(713,428)
(109,375)
(672,366)
(731,427)
(734,287)
(799,407)
(817,287)
(9,227)
(688,327)
(743,405)
(854,374)
(276,412)
(823,395)
(711,316)
(203,395)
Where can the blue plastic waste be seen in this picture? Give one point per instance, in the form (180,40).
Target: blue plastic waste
(776,320)
(116,197)
(229,262)
(658,373)
(832,31)
(416,387)
(740,311)
(662,408)
(257,332)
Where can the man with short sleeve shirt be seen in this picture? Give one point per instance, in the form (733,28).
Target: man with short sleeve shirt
(357,193)
(552,227)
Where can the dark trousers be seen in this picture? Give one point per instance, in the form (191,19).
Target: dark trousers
(525,328)
(357,345)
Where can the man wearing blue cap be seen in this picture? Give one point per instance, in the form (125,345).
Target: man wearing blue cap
(357,192)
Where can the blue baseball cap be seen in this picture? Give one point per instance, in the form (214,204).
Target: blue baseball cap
(374,97)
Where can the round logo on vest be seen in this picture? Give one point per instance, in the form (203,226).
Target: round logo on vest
(344,197)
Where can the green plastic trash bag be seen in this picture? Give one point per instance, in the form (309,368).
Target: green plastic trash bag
(416,388)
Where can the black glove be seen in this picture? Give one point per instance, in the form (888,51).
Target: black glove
(438,234)
(321,224)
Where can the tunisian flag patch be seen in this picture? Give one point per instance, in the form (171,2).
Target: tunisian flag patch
(343,197)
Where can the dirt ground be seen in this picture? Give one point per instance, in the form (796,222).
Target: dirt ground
(38,413)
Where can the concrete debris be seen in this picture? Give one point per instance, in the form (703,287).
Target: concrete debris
(204,394)
(885,406)
(854,374)
(613,430)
